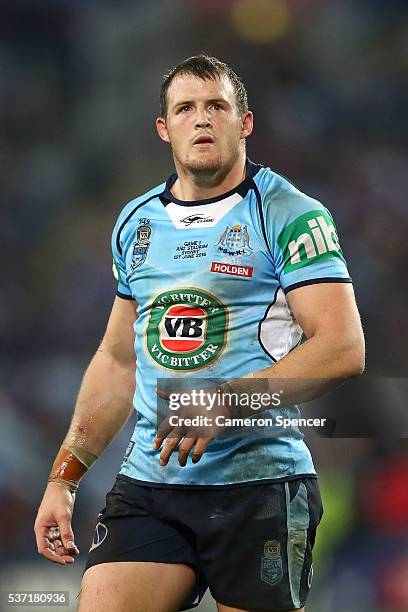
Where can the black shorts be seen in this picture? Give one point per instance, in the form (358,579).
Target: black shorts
(251,544)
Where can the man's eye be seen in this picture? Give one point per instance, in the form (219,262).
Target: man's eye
(216,106)
(184,108)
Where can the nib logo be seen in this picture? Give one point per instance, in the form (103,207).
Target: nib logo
(311,236)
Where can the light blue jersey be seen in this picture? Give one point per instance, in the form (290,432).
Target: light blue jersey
(210,278)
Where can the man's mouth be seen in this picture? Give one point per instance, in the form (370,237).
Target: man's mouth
(203,139)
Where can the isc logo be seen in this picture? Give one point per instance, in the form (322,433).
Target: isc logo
(183,329)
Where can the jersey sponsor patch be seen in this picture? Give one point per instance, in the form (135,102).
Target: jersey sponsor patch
(309,238)
(182,329)
(141,246)
(225,268)
(196,219)
(187,329)
(234,241)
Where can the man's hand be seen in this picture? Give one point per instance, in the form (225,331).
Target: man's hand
(178,430)
(53,531)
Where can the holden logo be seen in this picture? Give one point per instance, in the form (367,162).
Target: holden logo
(196,219)
(187,329)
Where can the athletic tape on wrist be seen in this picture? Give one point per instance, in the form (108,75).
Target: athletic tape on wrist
(70,465)
(82,455)
(71,486)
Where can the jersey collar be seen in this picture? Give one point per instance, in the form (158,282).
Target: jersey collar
(242,189)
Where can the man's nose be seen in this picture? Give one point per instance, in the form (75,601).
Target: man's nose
(202,119)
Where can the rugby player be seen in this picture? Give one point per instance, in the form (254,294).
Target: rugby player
(221,269)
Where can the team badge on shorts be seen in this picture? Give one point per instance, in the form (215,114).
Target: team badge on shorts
(141,246)
(271,563)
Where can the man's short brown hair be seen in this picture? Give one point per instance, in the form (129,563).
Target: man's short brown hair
(204,67)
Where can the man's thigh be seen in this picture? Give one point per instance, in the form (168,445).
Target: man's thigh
(261,558)
(135,587)
(137,557)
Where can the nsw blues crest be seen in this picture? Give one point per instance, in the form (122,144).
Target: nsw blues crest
(141,246)
(271,563)
(234,244)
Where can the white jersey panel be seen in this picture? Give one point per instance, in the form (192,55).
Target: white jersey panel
(279,331)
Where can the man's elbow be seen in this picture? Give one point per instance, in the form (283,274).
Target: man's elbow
(353,362)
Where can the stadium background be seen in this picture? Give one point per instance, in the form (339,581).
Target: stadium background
(79,88)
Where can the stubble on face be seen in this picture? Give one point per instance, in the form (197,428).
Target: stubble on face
(208,169)
(201,164)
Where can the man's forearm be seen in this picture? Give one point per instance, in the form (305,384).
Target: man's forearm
(320,356)
(103,405)
(307,372)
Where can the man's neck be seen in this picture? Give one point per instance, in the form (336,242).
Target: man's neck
(192,187)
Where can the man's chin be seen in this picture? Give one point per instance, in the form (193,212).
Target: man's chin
(204,164)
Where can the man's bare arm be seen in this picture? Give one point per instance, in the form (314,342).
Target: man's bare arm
(333,351)
(328,316)
(105,397)
(103,405)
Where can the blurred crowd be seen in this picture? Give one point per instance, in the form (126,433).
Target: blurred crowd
(79,84)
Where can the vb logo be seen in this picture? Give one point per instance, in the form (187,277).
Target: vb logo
(187,329)
(183,328)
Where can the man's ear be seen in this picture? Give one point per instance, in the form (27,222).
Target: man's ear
(162,129)
(247,124)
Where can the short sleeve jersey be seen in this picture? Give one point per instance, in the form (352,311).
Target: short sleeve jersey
(210,278)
